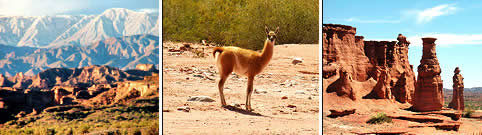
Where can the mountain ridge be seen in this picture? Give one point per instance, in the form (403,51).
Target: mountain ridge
(59,30)
(123,52)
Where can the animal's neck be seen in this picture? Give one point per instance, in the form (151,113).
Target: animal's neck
(267,52)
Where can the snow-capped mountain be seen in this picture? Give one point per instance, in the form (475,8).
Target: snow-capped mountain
(123,52)
(54,31)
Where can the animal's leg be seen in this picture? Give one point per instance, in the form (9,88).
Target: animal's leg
(221,88)
(249,92)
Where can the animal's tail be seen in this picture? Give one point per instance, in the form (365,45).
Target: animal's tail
(217,49)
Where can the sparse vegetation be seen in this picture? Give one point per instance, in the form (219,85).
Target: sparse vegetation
(137,118)
(240,22)
(379,118)
(468,111)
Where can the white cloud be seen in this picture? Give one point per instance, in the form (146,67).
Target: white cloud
(427,15)
(149,10)
(443,39)
(39,7)
(353,19)
(447,39)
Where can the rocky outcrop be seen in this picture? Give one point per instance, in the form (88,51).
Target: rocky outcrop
(363,59)
(341,47)
(382,88)
(458,94)
(146,67)
(428,93)
(341,113)
(343,86)
(79,77)
(393,56)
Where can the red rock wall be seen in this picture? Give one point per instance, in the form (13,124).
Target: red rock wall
(342,49)
(393,55)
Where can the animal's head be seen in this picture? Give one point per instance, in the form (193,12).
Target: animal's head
(271,35)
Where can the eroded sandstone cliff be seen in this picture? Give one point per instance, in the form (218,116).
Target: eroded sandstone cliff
(366,59)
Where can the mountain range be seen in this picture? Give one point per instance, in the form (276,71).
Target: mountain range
(118,37)
(54,31)
(123,52)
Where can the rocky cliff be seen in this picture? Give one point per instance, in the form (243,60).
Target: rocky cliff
(70,86)
(366,59)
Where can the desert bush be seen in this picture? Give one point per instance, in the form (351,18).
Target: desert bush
(84,128)
(379,118)
(468,111)
(240,22)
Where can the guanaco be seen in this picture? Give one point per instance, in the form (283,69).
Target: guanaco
(244,62)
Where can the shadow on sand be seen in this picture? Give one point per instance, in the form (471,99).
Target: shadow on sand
(242,111)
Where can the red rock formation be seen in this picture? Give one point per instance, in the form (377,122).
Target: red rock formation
(382,88)
(340,113)
(458,87)
(343,86)
(341,47)
(394,57)
(429,93)
(362,59)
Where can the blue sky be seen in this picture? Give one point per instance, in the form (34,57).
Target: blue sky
(455,24)
(72,7)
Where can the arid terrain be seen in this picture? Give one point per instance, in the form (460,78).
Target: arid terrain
(285,100)
(369,87)
(93,99)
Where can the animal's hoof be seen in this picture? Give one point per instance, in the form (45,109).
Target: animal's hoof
(249,110)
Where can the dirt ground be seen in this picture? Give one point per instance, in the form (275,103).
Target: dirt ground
(185,74)
(366,108)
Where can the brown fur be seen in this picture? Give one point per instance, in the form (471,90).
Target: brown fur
(244,62)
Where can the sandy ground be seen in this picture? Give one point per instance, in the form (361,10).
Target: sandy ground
(366,108)
(185,75)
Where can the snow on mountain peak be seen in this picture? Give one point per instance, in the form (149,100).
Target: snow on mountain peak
(59,30)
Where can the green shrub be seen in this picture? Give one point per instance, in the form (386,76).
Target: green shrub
(84,128)
(468,112)
(240,22)
(379,118)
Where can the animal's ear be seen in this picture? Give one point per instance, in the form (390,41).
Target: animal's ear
(266,29)
(277,29)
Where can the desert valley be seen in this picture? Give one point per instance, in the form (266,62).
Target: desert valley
(369,87)
(80,74)
(285,95)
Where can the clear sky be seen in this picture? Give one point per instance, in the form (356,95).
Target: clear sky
(72,7)
(457,25)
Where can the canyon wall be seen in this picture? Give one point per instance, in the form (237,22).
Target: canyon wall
(367,59)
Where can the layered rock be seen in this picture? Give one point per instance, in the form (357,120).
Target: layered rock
(343,86)
(341,47)
(458,88)
(362,59)
(428,93)
(382,88)
(393,56)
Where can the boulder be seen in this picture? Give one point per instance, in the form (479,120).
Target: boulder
(201,99)
(296,61)
(341,112)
